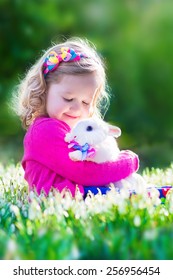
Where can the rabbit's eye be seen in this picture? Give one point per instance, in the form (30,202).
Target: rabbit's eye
(89,128)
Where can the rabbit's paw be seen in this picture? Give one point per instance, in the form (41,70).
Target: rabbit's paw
(76,155)
(68,137)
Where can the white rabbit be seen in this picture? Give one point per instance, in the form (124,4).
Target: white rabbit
(93,139)
(98,135)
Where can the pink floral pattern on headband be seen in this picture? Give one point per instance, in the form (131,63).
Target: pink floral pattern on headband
(53,60)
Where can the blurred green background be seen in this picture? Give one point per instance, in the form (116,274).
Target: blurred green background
(135,38)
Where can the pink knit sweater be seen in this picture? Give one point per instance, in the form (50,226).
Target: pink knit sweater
(46,162)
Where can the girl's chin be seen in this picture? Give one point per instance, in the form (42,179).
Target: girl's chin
(72,122)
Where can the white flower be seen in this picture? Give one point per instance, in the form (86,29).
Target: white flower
(12,228)
(11,246)
(2,212)
(150,234)
(15,210)
(137,221)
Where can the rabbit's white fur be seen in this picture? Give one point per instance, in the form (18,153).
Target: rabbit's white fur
(100,138)
(99,135)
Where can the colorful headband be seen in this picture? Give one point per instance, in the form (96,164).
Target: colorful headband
(53,60)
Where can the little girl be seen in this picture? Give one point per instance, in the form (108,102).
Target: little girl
(66,84)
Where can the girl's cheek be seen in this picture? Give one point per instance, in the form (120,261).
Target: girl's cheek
(86,110)
(63,104)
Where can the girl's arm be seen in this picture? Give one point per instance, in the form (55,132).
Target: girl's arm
(45,143)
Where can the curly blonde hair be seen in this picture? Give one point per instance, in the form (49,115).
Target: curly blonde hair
(29,101)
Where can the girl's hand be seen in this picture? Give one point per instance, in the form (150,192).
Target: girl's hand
(134,157)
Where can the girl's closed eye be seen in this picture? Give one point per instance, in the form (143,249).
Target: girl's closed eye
(71,99)
(68,99)
(86,103)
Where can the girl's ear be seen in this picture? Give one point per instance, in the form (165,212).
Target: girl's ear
(114,131)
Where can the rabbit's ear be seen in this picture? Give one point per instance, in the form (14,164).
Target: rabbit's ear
(114,131)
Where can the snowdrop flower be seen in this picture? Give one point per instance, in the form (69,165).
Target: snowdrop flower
(2,212)
(15,210)
(150,234)
(137,221)
(11,250)
(79,210)
(67,201)
(34,211)
(12,228)
(154,196)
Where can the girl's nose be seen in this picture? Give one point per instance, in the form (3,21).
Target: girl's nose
(75,106)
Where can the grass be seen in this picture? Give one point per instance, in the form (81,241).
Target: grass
(113,226)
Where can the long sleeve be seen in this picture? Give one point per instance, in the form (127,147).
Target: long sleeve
(44,143)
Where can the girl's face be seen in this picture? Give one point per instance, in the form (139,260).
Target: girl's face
(72,98)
